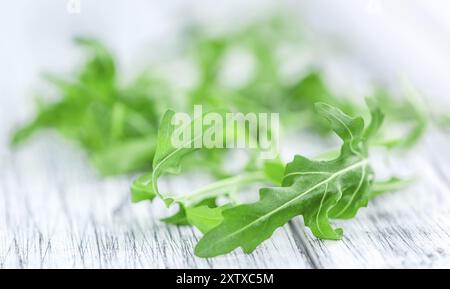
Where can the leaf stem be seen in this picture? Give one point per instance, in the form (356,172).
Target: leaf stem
(221,187)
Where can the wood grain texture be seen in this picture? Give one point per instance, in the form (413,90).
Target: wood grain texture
(56,213)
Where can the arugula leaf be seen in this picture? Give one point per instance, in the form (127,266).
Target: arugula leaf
(318,190)
(205,218)
(180,218)
(274,170)
(142,189)
(167,157)
(376,121)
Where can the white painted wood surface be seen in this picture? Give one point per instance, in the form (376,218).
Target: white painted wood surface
(55,213)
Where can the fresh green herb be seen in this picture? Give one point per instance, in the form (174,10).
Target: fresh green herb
(116,125)
(123,128)
(267,90)
(205,218)
(317,190)
(181,218)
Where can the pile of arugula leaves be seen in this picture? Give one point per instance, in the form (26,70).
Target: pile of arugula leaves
(127,128)
(319,190)
(110,120)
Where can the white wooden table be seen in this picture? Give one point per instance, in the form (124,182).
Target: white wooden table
(55,213)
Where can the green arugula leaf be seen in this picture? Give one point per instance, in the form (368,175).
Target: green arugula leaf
(180,218)
(274,170)
(205,218)
(141,189)
(376,121)
(167,157)
(318,190)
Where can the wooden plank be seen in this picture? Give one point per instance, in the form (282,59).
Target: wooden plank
(55,213)
(407,229)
